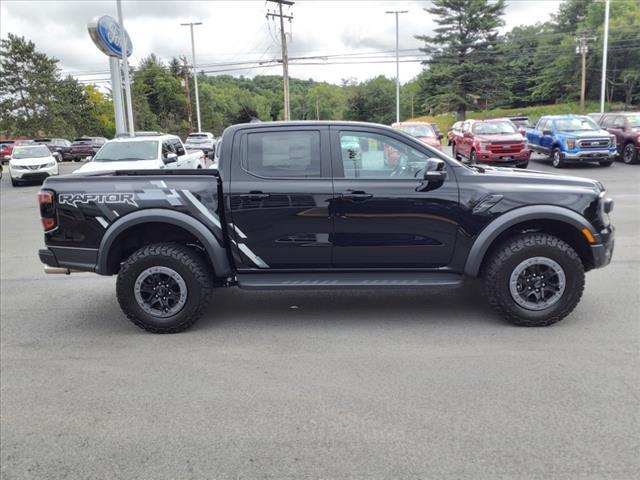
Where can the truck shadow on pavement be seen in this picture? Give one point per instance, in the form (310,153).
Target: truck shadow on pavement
(352,307)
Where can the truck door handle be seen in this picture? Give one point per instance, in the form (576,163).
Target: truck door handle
(357,196)
(254,195)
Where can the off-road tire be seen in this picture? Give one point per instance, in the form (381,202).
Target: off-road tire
(556,158)
(511,253)
(606,163)
(188,263)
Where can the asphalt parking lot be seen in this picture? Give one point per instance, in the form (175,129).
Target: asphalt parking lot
(349,384)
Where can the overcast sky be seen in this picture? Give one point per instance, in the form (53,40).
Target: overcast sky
(239,31)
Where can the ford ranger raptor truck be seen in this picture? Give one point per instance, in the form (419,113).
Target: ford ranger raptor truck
(572,138)
(316,205)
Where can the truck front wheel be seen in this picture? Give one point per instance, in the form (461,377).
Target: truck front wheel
(556,158)
(164,287)
(534,280)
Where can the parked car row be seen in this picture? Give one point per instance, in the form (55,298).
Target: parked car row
(564,139)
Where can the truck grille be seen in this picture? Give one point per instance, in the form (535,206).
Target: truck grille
(506,148)
(593,143)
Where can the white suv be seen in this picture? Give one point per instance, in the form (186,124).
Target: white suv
(31,163)
(143,153)
(204,141)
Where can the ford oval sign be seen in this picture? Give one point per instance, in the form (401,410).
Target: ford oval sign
(105,33)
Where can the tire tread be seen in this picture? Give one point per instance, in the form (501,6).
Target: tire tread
(190,260)
(513,246)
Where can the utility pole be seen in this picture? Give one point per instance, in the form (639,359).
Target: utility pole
(397,13)
(285,57)
(195,72)
(187,91)
(603,85)
(582,48)
(124,47)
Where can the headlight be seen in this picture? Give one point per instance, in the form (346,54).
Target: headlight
(483,146)
(570,143)
(50,164)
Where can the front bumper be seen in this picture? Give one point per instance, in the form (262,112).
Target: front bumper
(504,159)
(602,250)
(589,155)
(33,175)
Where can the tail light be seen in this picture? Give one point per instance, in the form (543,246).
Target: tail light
(46,199)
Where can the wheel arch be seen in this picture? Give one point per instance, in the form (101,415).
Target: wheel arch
(124,226)
(559,221)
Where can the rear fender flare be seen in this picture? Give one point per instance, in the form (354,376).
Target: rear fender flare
(507,220)
(215,248)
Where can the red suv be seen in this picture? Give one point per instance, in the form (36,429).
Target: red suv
(496,142)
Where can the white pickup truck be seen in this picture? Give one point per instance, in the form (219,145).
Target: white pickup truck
(143,153)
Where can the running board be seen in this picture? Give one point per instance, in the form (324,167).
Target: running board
(368,280)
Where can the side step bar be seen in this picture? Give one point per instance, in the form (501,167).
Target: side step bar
(368,280)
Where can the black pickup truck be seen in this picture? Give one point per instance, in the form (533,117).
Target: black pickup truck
(316,205)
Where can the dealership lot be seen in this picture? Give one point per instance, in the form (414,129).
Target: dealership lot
(318,384)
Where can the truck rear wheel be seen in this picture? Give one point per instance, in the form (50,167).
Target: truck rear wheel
(534,280)
(164,287)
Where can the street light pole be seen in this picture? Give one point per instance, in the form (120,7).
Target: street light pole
(603,87)
(125,65)
(397,13)
(195,72)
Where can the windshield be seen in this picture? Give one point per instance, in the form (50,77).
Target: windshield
(197,136)
(120,151)
(417,130)
(583,124)
(30,152)
(494,128)
(634,121)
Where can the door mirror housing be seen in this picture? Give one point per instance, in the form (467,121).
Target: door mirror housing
(435,171)
(546,132)
(440,136)
(466,134)
(170,158)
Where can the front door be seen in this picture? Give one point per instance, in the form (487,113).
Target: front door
(279,195)
(385,215)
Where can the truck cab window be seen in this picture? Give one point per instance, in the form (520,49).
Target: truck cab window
(284,154)
(370,155)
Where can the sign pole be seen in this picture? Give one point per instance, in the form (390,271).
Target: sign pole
(125,65)
(116,94)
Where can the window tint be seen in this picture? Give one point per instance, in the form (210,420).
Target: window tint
(127,151)
(284,154)
(370,155)
(607,122)
(177,146)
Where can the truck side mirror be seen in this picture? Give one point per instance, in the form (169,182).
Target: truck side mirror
(170,158)
(466,134)
(435,171)
(546,132)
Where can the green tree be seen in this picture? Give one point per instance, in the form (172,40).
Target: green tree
(28,80)
(372,101)
(461,55)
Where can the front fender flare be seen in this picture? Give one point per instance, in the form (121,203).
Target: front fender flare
(513,217)
(216,250)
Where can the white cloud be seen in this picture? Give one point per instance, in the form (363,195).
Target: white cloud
(239,31)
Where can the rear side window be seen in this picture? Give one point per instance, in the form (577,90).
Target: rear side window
(177,146)
(607,122)
(284,154)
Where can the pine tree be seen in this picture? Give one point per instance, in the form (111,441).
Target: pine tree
(461,55)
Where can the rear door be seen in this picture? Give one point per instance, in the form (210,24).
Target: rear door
(385,215)
(280,194)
